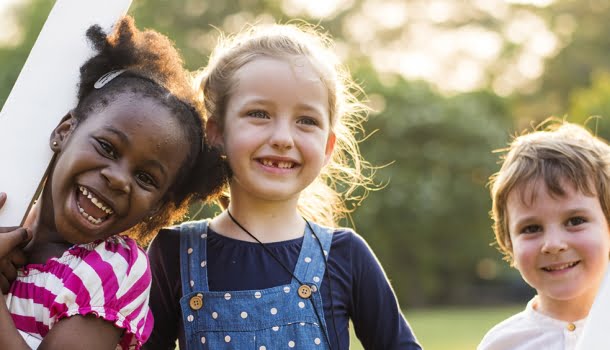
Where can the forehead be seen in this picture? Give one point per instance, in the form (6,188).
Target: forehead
(294,76)
(143,120)
(536,200)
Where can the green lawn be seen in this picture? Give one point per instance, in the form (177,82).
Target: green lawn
(452,328)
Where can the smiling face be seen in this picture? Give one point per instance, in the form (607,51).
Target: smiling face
(277,134)
(113,169)
(560,245)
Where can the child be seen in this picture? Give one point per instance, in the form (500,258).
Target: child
(262,274)
(551,208)
(129,156)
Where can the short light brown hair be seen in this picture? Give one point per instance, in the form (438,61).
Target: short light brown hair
(555,153)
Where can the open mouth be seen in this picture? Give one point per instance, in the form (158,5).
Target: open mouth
(561,267)
(280,164)
(92,208)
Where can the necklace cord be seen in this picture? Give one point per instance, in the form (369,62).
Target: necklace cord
(325,331)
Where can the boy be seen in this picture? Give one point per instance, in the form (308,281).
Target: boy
(551,207)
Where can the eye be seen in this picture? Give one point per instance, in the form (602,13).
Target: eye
(308,121)
(258,114)
(106,149)
(575,221)
(146,180)
(531,229)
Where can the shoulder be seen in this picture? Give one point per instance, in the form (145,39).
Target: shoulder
(349,243)
(508,333)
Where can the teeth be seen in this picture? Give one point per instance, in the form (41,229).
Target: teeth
(560,267)
(98,203)
(280,164)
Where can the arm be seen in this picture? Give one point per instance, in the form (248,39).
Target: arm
(9,336)
(377,318)
(82,332)
(164,256)
(13,258)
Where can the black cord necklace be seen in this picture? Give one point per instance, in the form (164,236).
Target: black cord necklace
(304,289)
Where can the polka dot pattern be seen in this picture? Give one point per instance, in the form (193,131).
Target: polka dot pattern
(283,307)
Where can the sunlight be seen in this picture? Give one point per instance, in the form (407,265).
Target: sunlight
(315,8)
(537,3)
(10,35)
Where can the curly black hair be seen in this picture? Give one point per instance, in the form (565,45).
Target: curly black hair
(153,68)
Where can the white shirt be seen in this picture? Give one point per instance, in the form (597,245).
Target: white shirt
(532,330)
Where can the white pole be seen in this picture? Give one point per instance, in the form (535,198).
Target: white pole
(595,335)
(43,93)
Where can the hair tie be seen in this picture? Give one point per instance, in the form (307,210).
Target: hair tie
(106,78)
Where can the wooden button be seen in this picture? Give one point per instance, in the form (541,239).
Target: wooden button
(571,327)
(305,291)
(196,302)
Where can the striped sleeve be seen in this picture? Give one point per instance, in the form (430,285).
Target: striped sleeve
(113,282)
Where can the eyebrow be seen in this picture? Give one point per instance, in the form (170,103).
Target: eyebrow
(119,134)
(266,102)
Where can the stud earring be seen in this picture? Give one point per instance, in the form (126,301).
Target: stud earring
(54,143)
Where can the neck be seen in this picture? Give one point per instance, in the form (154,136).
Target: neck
(565,310)
(268,221)
(46,243)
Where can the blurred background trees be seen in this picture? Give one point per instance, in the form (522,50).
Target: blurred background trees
(449,81)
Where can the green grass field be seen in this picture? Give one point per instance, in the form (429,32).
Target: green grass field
(452,328)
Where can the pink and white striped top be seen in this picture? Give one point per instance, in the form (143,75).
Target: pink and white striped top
(109,279)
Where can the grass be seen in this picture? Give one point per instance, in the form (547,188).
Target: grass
(452,328)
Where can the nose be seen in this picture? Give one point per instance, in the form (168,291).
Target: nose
(281,134)
(117,178)
(554,242)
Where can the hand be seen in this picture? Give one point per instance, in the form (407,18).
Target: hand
(12,239)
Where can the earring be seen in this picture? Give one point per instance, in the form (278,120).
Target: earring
(54,143)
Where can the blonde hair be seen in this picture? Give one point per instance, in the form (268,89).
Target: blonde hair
(556,153)
(324,200)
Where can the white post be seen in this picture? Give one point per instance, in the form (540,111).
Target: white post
(43,93)
(595,335)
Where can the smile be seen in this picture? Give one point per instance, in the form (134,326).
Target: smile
(96,210)
(277,164)
(560,267)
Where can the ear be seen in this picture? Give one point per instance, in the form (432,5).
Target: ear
(214,133)
(330,146)
(62,132)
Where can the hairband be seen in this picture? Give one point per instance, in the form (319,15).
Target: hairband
(106,78)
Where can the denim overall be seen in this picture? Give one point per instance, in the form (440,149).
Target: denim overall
(267,319)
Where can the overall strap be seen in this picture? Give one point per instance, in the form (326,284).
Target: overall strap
(193,256)
(312,260)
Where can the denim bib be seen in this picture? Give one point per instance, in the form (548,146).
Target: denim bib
(289,316)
